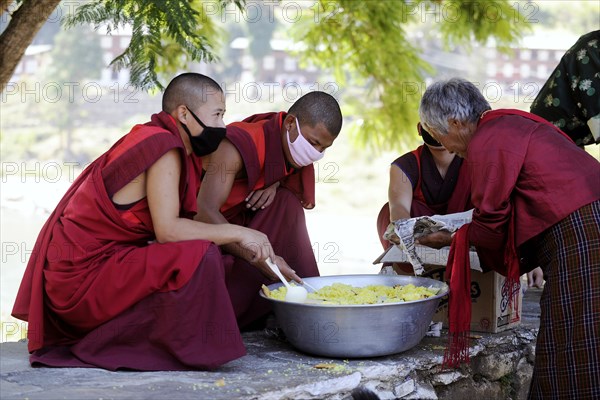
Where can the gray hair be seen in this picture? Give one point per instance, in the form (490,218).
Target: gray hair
(455,98)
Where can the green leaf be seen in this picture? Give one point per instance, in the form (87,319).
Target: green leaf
(162,31)
(366,43)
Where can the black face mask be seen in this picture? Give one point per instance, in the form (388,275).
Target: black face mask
(428,139)
(209,139)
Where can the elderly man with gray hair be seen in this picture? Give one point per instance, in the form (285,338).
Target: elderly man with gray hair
(537,202)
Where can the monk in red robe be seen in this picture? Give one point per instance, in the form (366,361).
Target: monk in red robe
(262,177)
(426,181)
(537,202)
(121,276)
(429,180)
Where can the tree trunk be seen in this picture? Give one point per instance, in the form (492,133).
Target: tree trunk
(24,24)
(4,6)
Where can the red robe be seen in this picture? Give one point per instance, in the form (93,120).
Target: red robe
(543,178)
(258,139)
(92,264)
(526,176)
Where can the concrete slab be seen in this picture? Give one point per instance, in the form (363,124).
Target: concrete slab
(271,370)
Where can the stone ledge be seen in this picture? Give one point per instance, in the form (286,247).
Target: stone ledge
(500,367)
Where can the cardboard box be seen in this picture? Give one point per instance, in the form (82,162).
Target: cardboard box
(489,296)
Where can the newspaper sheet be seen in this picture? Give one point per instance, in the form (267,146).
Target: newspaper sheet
(403,232)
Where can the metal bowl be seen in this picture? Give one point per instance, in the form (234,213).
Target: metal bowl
(355,331)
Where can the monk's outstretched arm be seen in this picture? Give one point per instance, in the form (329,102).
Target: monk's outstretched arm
(222,167)
(162,190)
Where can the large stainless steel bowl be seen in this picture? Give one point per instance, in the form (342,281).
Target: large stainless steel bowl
(354,331)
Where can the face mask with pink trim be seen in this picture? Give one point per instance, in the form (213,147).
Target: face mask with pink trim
(303,153)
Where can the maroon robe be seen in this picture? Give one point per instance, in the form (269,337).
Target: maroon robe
(97,289)
(283,221)
(543,178)
(536,204)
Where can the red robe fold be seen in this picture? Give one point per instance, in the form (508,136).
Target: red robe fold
(525,168)
(92,262)
(258,139)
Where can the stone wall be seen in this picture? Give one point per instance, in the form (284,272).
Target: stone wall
(500,368)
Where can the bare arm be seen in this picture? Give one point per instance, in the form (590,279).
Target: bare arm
(400,197)
(400,194)
(162,191)
(222,168)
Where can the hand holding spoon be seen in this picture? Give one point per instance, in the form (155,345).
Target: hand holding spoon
(296,294)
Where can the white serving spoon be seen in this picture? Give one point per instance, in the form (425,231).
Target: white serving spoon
(309,286)
(296,294)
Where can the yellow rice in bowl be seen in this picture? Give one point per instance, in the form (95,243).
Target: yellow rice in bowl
(343,294)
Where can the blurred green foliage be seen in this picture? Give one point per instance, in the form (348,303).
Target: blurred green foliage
(166,34)
(368,42)
(364,42)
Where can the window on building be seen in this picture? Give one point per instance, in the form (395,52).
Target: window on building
(289,64)
(542,71)
(543,55)
(124,41)
(525,70)
(269,63)
(106,42)
(558,55)
(311,67)
(525,55)
(107,58)
(247,62)
(30,66)
(508,70)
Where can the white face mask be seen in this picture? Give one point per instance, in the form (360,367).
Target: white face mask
(302,151)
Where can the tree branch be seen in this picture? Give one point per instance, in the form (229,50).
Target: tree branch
(25,23)
(4,5)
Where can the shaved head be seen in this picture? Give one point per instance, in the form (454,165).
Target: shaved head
(190,89)
(318,107)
